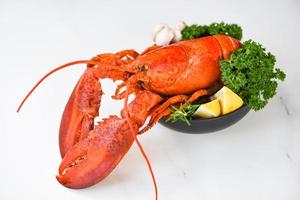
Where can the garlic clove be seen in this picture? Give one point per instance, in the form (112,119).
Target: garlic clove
(164,36)
(156,29)
(180,26)
(177,35)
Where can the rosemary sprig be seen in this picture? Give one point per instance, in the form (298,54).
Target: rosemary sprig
(183,112)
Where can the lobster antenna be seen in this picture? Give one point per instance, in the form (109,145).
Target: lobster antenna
(137,141)
(51,72)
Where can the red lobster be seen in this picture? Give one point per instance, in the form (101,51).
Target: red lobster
(159,77)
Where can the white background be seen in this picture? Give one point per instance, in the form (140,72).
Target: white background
(259,158)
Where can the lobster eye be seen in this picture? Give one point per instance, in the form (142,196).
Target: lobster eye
(142,68)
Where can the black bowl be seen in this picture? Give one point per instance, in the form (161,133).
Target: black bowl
(199,126)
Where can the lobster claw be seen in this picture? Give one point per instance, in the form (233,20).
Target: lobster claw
(93,158)
(83,106)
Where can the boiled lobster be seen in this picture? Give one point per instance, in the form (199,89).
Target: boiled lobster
(159,77)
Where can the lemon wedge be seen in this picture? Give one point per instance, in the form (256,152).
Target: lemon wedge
(209,110)
(229,100)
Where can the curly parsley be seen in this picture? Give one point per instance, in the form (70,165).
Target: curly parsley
(251,74)
(196,31)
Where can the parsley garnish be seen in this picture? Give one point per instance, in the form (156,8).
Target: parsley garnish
(251,74)
(196,31)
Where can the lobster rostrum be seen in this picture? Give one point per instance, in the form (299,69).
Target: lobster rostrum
(158,77)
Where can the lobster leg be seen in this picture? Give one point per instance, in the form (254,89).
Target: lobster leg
(93,158)
(121,57)
(171,101)
(128,54)
(162,110)
(158,112)
(197,94)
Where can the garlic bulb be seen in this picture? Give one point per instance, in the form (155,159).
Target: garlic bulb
(180,26)
(162,34)
(177,31)
(157,29)
(177,36)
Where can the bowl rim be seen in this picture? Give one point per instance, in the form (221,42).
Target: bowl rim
(244,106)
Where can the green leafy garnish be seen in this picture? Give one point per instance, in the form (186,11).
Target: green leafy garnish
(183,113)
(196,31)
(250,73)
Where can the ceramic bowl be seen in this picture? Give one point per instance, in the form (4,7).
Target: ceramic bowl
(199,126)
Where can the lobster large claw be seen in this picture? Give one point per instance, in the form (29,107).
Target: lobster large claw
(80,111)
(93,158)
(83,105)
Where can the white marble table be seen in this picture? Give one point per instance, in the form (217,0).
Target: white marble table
(258,158)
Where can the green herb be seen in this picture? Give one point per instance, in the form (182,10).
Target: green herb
(250,73)
(183,112)
(196,31)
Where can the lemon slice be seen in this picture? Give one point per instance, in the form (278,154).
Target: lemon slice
(209,110)
(229,100)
